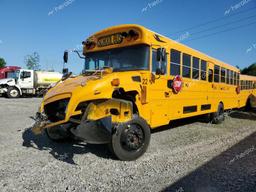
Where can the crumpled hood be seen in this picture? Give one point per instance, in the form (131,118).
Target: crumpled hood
(69,85)
(5,81)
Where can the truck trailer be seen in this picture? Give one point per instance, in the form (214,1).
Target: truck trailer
(27,82)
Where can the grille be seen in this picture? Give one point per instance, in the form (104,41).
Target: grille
(55,111)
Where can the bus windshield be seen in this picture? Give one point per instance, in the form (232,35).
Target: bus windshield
(13,74)
(120,59)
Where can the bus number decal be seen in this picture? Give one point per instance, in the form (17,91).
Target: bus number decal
(144,81)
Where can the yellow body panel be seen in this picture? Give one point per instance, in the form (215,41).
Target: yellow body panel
(156,103)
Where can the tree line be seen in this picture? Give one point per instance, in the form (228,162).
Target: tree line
(32,61)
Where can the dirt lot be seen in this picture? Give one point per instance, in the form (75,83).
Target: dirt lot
(188,156)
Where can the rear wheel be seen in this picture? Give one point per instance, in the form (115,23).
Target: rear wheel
(248,105)
(131,139)
(218,117)
(13,92)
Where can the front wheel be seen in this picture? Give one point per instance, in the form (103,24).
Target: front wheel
(13,92)
(131,139)
(58,133)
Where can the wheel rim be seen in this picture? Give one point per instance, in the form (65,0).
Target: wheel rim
(14,93)
(132,137)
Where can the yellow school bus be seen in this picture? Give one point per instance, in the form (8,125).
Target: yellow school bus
(135,80)
(248,91)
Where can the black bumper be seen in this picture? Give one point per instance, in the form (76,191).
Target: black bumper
(94,132)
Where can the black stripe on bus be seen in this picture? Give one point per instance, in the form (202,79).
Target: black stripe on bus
(189,109)
(205,107)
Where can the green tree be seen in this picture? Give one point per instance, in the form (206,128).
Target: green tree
(2,62)
(32,61)
(251,70)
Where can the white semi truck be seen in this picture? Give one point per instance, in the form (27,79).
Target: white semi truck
(27,82)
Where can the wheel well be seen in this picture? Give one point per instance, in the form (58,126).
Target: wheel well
(20,92)
(126,95)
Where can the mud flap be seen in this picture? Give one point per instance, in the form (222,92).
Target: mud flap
(94,132)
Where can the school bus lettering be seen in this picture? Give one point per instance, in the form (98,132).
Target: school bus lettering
(110,40)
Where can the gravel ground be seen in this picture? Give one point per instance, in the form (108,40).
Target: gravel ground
(187,156)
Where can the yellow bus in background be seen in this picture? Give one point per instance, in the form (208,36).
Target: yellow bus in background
(135,80)
(248,91)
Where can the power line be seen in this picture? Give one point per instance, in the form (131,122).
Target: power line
(219,26)
(212,21)
(231,29)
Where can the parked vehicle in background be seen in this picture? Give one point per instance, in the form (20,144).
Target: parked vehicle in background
(27,82)
(5,70)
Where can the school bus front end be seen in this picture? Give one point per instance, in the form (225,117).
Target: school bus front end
(103,104)
(135,80)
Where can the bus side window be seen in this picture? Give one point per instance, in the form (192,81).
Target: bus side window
(223,75)
(175,62)
(238,79)
(216,73)
(210,75)
(186,65)
(235,78)
(203,70)
(231,77)
(195,74)
(228,76)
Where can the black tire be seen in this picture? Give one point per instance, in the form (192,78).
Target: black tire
(131,139)
(59,133)
(248,106)
(13,92)
(218,117)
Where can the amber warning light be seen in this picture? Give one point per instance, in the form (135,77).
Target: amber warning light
(115,82)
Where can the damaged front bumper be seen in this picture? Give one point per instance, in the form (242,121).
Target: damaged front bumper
(41,121)
(97,122)
(94,132)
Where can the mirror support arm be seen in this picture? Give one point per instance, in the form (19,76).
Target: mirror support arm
(78,54)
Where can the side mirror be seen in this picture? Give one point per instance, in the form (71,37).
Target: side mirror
(161,54)
(65,56)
